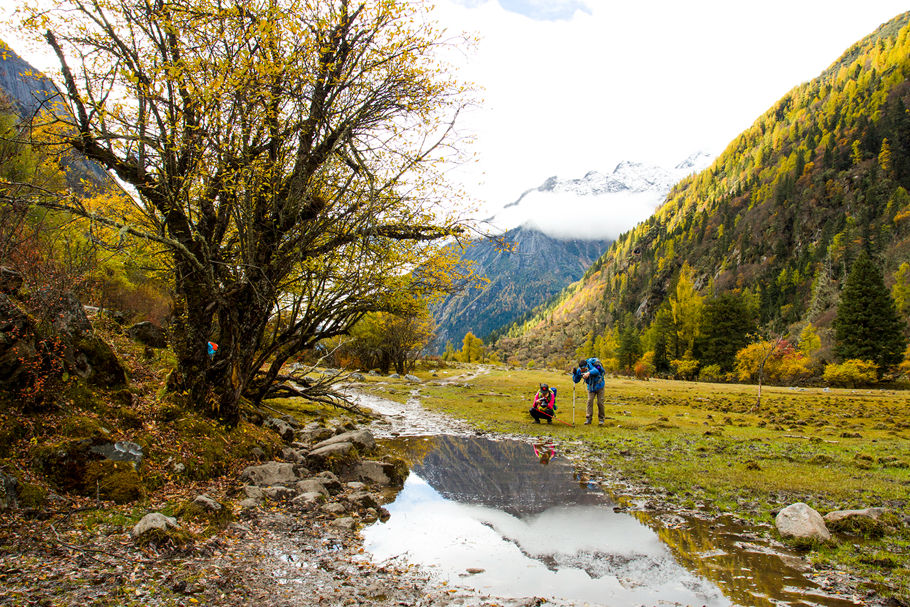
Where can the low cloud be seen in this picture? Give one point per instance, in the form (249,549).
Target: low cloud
(570,216)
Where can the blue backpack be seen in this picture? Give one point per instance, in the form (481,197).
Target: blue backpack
(593,362)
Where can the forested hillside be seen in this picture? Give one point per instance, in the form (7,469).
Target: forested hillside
(777,221)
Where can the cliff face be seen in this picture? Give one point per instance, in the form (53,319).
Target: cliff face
(25,87)
(518,281)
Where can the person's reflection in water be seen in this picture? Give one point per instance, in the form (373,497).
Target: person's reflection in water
(545,452)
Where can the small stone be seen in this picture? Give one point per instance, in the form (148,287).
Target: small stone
(334,508)
(207,503)
(152,521)
(308,498)
(312,485)
(346,522)
(279,492)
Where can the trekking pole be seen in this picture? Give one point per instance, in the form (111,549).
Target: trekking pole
(573,404)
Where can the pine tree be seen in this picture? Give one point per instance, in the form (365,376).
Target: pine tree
(867,326)
(725,327)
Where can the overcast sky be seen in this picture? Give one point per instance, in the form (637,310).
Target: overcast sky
(576,85)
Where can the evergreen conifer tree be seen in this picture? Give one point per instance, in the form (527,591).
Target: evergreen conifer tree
(725,327)
(867,326)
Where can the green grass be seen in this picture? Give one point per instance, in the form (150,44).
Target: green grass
(709,445)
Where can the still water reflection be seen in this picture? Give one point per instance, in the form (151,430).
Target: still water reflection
(487,515)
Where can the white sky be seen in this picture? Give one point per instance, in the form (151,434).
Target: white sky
(575,85)
(644,80)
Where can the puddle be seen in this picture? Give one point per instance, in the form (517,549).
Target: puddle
(488,516)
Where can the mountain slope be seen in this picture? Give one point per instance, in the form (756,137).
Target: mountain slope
(518,281)
(780,214)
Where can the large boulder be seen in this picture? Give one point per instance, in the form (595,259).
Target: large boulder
(280,427)
(270,474)
(148,334)
(801,521)
(363,440)
(336,457)
(70,340)
(384,474)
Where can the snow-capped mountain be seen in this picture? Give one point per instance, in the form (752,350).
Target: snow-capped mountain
(598,205)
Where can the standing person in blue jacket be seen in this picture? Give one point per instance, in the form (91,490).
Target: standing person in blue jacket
(592,372)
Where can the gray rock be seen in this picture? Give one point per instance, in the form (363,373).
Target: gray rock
(308,498)
(258,453)
(293,455)
(346,522)
(362,439)
(334,451)
(207,503)
(312,485)
(8,491)
(152,521)
(281,427)
(279,492)
(254,492)
(413,379)
(394,376)
(309,436)
(148,334)
(121,451)
(379,473)
(370,515)
(248,503)
(270,473)
(179,468)
(839,515)
(357,377)
(334,508)
(355,486)
(329,481)
(801,521)
(362,499)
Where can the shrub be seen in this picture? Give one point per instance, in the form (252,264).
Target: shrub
(851,373)
(685,368)
(711,373)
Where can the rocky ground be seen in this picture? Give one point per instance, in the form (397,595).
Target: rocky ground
(292,539)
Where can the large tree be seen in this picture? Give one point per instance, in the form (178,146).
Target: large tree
(726,325)
(867,326)
(282,153)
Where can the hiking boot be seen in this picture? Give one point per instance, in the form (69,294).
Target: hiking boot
(588,422)
(600,423)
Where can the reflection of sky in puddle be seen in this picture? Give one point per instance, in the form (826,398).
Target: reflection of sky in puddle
(569,553)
